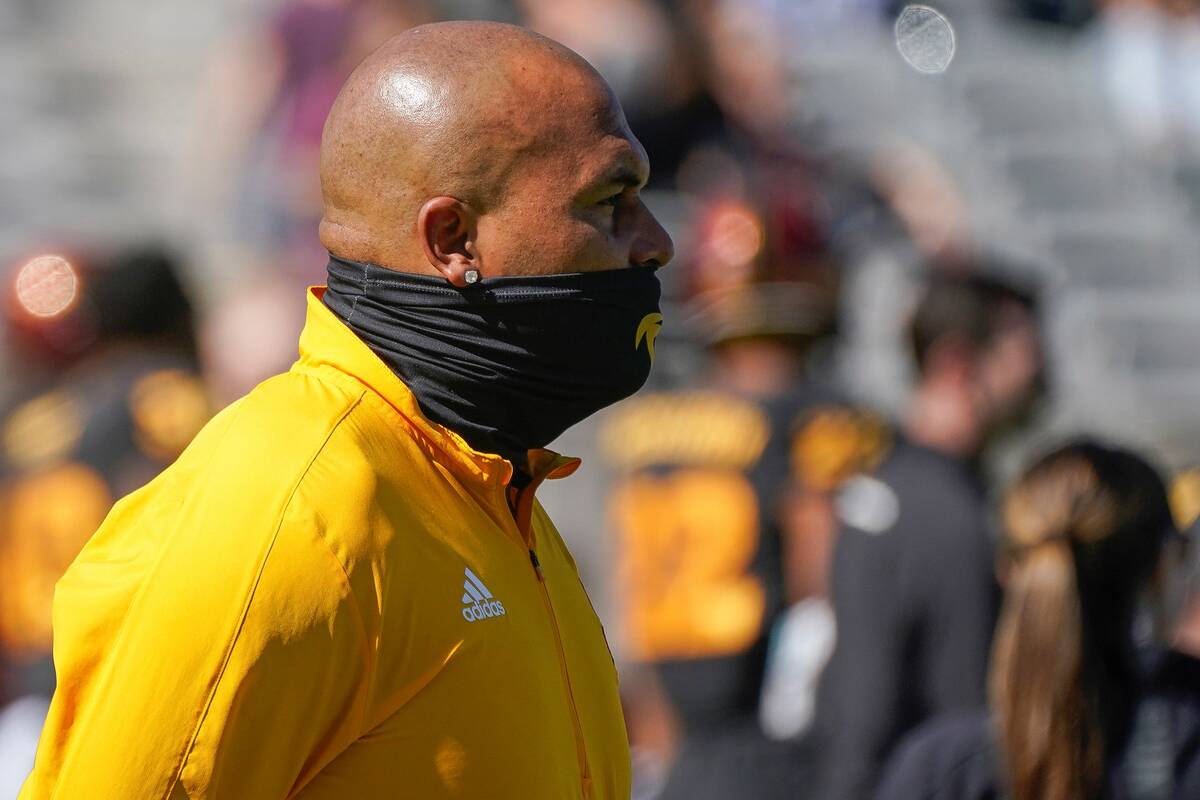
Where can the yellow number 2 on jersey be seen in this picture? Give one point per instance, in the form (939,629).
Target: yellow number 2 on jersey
(686,541)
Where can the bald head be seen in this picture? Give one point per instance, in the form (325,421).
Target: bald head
(451,129)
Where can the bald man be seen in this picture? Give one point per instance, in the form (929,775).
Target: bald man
(345,587)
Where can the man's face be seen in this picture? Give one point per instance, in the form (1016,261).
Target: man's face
(1009,371)
(573,204)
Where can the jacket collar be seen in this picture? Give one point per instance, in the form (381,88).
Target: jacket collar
(326,341)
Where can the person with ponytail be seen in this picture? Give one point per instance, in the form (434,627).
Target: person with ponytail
(1083,531)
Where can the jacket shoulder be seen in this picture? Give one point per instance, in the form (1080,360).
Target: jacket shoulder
(281,426)
(357,452)
(232,485)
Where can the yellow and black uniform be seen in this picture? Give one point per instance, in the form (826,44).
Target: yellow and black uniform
(104,430)
(126,403)
(330,596)
(701,574)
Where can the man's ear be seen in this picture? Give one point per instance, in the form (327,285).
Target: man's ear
(448,228)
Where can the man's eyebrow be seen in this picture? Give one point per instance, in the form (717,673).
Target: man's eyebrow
(624,174)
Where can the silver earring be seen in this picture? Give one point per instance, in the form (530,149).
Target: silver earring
(471,276)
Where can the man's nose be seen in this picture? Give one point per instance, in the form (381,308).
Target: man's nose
(652,245)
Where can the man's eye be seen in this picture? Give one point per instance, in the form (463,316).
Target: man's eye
(611,201)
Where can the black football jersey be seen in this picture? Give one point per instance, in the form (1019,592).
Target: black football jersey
(700,576)
(915,601)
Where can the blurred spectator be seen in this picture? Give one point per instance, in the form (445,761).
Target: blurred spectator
(250,336)
(924,199)
(630,42)
(705,83)
(1084,529)
(703,566)
(912,583)
(1071,13)
(819,16)
(1162,757)
(269,95)
(129,401)
(749,77)
(656,57)
(1152,68)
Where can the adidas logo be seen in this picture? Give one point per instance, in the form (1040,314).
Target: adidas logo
(477,600)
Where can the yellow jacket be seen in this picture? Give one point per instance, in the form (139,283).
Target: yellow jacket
(329,596)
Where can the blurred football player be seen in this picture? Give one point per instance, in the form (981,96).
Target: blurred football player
(119,400)
(703,546)
(913,587)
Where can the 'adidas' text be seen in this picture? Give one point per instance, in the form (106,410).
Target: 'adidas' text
(477,600)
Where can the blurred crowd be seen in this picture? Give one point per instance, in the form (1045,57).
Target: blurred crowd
(908,508)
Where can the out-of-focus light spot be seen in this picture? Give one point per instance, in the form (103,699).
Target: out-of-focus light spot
(169,407)
(1185,498)
(42,430)
(736,235)
(47,286)
(925,39)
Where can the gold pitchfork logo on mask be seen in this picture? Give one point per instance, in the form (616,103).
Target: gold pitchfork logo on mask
(648,329)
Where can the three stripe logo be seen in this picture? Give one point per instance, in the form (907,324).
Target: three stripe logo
(478,602)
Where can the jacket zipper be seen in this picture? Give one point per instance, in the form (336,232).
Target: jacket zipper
(581,750)
(520,503)
(520,506)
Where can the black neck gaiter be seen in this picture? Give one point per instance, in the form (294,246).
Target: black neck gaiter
(508,363)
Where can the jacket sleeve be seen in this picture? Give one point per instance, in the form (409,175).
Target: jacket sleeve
(237,668)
